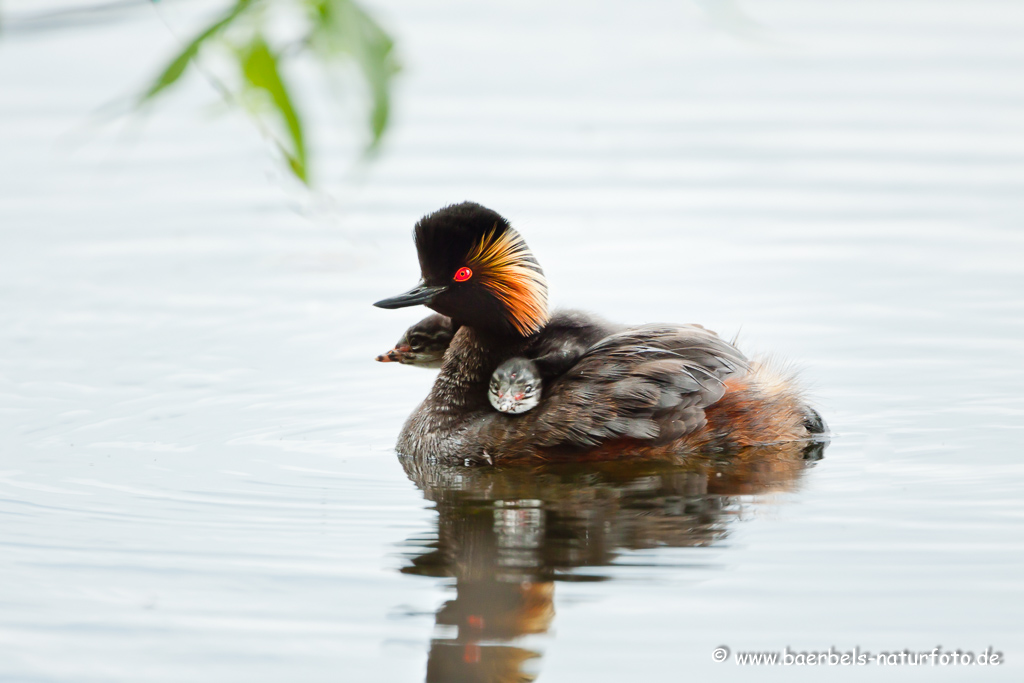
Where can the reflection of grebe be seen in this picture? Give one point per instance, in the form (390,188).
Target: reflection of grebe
(487,614)
(506,535)
(653,390)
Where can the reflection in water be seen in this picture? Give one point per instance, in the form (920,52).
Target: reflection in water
(506,535)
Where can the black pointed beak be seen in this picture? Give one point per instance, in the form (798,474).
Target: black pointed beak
(420,294)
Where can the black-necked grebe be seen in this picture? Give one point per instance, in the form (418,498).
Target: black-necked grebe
(649,391)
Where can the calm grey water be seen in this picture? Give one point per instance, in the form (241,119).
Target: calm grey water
(197,479)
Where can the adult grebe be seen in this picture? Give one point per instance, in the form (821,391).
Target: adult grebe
(657,390)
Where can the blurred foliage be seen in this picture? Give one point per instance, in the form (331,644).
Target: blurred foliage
(335,33)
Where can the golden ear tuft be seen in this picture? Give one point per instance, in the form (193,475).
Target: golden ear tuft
(506,267)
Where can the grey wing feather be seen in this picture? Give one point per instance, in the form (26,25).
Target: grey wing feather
(650,383)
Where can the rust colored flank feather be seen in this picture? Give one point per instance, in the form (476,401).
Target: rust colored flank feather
(506,268)
(758,410)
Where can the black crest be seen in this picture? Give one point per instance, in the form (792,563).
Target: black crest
(477,270)
(445,237)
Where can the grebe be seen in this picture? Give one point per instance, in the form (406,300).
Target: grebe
(515,386)
(657,390)
(423,344)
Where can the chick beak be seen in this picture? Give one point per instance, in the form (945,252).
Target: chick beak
(395,355)
(420,294)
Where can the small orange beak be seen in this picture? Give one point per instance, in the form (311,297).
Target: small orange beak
(394,355)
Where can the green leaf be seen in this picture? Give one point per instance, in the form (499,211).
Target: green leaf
(173,71)
(259,66)
(343,29)
(379,66)
(341,32)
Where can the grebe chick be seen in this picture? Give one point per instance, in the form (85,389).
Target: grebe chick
(515,386)
(423,344)
(567,336)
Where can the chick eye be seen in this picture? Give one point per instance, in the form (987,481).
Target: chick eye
(463,274)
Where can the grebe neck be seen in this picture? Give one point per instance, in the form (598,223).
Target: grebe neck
(467,367)
(457,403)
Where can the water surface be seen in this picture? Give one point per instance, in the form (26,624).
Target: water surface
(198,481)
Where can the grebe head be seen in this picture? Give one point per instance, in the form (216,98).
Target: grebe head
(423,344)
(477,270)
(515,386)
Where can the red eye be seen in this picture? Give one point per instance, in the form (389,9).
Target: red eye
(463,274)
